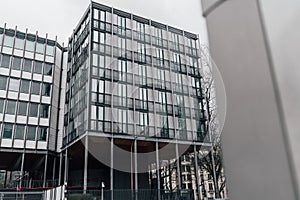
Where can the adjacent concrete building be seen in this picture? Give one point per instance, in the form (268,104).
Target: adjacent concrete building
(30,93)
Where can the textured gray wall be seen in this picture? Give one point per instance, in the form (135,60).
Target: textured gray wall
(255,154)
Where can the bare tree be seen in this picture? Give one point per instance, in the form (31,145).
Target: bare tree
(212,162)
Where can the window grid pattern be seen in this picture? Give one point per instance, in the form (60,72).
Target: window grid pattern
(144,81)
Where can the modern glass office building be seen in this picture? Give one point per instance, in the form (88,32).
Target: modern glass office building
(122,104)
(30,79)
(133,104)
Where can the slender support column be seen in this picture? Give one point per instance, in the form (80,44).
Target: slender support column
(196,173)
(112,168)
(157,170)
(85,172)
(66,167)
(178,167)
(45,170)
(22,169)
(5,178)
(60,167)
(54,169)
(135,170)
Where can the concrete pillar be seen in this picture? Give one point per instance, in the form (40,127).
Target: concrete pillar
(178,166)
(157,170)
(112,167)
(60,167)
(135,170)
(54,169)
(198,191)
(45,170)
(85,172)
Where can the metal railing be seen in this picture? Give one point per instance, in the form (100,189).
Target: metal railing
(22,195)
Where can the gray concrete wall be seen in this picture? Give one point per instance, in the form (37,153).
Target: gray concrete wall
(256,152)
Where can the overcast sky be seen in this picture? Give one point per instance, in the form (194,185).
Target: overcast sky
(60,17)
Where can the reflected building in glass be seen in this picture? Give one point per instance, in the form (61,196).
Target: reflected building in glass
(134,104)
(30,131)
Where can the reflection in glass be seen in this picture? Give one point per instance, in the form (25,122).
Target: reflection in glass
(38,67)
(35,88)
(1,105)
(31,133)
(47,69)
(27,65)
(8,41)
(25,86)
(19,43)
(19,131)
(14,85)
(42,134)
(16,63)
(5,61)
(10,108)
(3,81)
(29,46)
(39,48)
(7,133)
(22,108)
(33,110)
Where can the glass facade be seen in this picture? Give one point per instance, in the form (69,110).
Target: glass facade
(137,83)
(143,79)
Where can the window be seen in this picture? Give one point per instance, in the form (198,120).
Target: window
(19,43)
(3,81)
(25,86)
(46,89)
(29,46)
(14,85)
(50,50)
(22,108)
(8,41)
(33,110)
(97,86)
(38,67)
(7,133)
(44,111)
(19,134)
(122,25)
(140,27)
(47,69)
(31,133)
(1,105)
(102,15)
(122,70)
(158,36)
(39,48)
(121,21)
(97,112)
(5,61)
(35,88)
(96,14)
(27,65)
(10,108)
(16,63)
(99,37)
(42,133)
